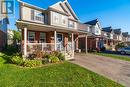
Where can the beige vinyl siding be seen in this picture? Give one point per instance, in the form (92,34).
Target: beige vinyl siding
(26,13)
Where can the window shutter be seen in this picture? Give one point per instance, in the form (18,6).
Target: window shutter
(32,14)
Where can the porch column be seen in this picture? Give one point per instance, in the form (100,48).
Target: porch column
(73,44)
(86,48)
(55,39)
(77,43)
(25,42)
(96,42)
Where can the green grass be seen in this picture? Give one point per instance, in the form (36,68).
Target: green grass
(55,75)
(114,56)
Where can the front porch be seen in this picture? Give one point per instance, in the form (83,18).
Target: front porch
(48,39)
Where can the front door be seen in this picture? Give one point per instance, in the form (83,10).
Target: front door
(59,41)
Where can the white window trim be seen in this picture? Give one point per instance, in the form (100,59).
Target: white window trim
(34,36)
(42,17)
(57,15)
(69,24)
(42,38)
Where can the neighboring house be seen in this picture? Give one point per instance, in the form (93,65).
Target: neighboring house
(107,34)
(10,35)
(83,38)
(128,38)
(3,29)
(52,29)
(117,35)
(95,40)
(125,36)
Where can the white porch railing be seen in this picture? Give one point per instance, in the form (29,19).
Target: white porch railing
(70,50)
(49,47)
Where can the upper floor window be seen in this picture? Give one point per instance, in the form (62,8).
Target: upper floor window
(56,17)
(71,24)
(96,31)
(63,20)
(105,34)
(42,37)
(31,36)
(37,15)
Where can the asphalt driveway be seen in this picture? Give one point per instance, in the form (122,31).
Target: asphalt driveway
(114,69)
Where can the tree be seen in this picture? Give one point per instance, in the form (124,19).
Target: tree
(16,37)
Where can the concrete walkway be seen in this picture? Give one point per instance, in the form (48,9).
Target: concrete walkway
(114,69)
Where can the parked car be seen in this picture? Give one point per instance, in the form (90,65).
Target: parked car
(125,50)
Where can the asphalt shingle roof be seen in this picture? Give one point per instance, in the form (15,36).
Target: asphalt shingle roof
(117,31)
(107,29)
(93,22)
(125,34)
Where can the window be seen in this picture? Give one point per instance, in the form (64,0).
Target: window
(32,14)
(42,37)
(71,24)
(56,18)
(59,37)
(37,15)
(31,36)
(96,31)
(63,20)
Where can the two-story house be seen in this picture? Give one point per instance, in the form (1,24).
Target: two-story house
(95,40)
(52,29)
(128,38)
(125,36)
(107,33)
(117,36)
(3,27)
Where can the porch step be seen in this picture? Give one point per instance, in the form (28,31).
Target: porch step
(68,56)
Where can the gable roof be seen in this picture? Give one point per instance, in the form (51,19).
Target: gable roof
(107,29)
(117,31)
(93,22)
(125,34)
(70,9)
(65,8)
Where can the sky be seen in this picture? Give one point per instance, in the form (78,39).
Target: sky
(115,13)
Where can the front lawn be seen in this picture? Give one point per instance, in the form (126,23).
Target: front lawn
(54,75)
(61,74)
(125,58)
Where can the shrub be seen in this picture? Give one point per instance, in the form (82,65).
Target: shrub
(55,53)
(2,61)
(32,63)
(10,50)
(17,60)
(61,57)
(120,45)
(53,59)
(45,61)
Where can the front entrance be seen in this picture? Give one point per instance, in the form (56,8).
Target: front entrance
(60,40)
